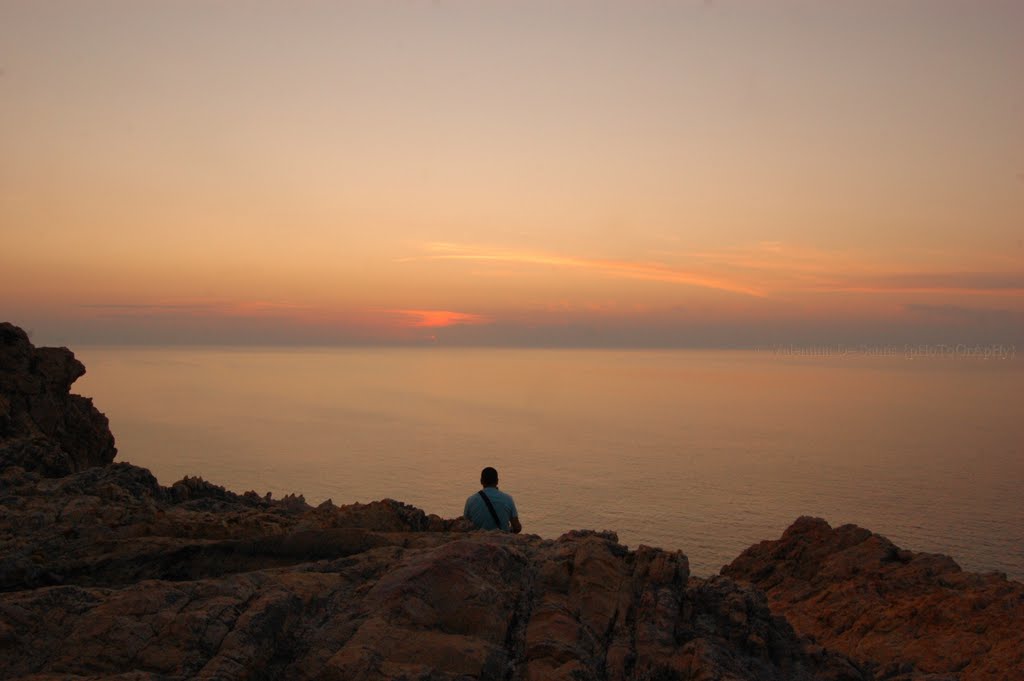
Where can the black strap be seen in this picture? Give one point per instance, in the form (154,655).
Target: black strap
(490,507)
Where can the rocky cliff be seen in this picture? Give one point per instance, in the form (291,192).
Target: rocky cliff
(42,426)
(104,573)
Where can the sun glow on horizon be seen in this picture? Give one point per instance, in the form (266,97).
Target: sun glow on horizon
(439,318)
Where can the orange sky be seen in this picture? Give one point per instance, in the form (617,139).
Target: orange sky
(609,173)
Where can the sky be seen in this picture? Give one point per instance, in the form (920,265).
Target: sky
(561,173)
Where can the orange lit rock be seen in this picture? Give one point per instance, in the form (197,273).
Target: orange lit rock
(858,593)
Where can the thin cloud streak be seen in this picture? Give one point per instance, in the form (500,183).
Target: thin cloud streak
(968,283)
(150,307)
(371,322)
(246,308)
(611,268)
(765,270)
(970,315)
(791,269)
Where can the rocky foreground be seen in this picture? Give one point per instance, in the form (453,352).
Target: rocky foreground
(106,574)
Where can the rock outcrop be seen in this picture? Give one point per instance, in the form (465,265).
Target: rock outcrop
(897,610)
(42,426)
(106,574)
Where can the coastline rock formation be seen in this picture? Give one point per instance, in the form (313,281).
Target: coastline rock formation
(858,593)
(42,426)
(106,574)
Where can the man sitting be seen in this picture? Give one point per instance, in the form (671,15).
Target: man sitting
(490,508)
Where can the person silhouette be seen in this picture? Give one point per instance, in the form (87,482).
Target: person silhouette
(490,508)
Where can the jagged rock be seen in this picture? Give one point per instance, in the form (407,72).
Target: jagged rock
(189,488)
(42,426)
(906,613)
(295,502)
(424,605)
(107,573)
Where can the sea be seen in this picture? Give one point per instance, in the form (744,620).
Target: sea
(704,451)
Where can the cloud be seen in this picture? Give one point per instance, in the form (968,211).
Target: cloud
(152,310)
(244,308)
(934,282)
(623,269)
(959,313)
(439,318)
(786,268)
(148,307)
(369,321)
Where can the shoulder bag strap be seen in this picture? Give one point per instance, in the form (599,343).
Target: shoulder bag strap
(490,507)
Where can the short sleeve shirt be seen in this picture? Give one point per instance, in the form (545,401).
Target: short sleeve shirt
(476,510)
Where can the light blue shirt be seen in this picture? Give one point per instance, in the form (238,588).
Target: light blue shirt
(504,506)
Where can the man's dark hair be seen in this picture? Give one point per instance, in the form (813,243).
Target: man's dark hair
(488,477)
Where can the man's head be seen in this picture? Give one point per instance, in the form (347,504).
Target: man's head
(489,477)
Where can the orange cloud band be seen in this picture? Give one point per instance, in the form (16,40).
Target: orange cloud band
(610,268)
(439,318)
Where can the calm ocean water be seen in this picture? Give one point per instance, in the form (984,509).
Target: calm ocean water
(703,451)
